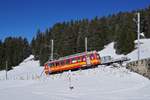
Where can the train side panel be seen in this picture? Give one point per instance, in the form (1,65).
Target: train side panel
(72,63)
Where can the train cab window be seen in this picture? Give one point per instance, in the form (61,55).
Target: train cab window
(98,56)
(49,65)
(92,56)
(74,60)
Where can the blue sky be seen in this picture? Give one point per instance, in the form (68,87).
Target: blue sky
(25,17)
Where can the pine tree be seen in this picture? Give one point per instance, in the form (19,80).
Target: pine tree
(13,50)
(69,36)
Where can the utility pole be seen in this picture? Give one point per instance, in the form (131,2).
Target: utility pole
(52,49)
(138,34)
(6,68)
(86,53)
(86,44)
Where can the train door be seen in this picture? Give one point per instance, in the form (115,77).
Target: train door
(88,62)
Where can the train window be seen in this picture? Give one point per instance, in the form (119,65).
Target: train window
(57,63)
(52,64)
(67,61)
(62,62)
(92,56)
(79,59)
(74,60)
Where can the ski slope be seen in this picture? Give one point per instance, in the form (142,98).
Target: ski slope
(102,83)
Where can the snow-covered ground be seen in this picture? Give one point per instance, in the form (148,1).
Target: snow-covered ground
(144,50)
(102,83)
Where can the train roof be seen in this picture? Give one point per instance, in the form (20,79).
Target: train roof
(72,56)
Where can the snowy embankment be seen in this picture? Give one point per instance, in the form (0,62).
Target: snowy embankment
(102,83)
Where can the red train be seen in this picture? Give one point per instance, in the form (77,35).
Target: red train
(73,62)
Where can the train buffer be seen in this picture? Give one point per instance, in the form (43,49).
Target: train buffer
(108,60)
